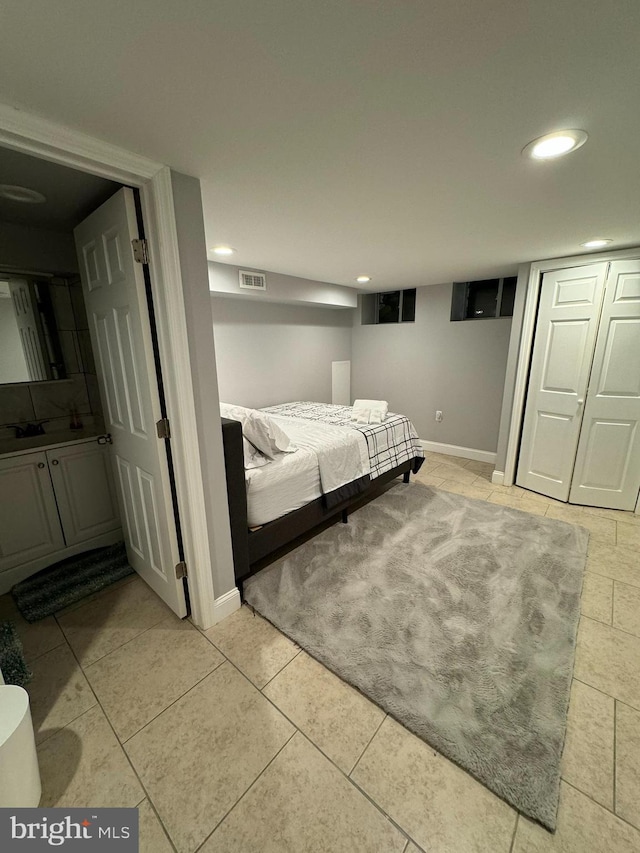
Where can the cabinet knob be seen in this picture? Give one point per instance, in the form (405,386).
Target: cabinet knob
(40,464)
(54,462)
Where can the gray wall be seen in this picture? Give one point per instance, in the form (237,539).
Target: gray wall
(432,364)
(223,278)
(38,249)
(193,266)
(270,353)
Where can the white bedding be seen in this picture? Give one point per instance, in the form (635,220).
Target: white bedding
(287,483)
(328,457)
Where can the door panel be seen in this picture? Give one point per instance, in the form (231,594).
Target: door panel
(607,471)
(29,523)
(561,372)
(115,296)
(570,304)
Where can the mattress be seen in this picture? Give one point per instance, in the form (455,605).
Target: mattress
(286,484)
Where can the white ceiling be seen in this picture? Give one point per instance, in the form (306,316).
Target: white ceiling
(70,195)
(339,137)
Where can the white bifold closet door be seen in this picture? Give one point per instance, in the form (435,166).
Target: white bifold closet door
(568,316)
(607,469)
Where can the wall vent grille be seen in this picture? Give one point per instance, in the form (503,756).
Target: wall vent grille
(253,280)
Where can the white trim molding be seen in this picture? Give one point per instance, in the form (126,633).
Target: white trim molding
(42,138)
(497,478)
(226,605)
(525,351)
(455,450)
(173,342)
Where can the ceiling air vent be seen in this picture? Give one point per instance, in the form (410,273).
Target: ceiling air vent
(253,280)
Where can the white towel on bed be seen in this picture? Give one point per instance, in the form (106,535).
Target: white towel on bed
(369,411)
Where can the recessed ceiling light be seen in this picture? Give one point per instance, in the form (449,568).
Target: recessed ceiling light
(223,250)
(597,243)
(22,194)
(556,144)
(363,279)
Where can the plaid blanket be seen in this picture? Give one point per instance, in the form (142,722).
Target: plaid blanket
(390,443)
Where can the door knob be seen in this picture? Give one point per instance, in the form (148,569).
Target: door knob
(54,462)
(580,402)
(40,464)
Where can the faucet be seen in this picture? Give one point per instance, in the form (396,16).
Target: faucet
(29,430)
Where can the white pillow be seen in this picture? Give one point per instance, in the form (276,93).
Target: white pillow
(252,457)
(259,429)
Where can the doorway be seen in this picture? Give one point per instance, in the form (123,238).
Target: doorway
(108,384)
(205,532)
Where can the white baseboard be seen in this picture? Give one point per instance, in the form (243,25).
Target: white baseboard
(497,478)
(225,605)
(464,452)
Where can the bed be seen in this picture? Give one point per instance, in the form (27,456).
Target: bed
(336,465)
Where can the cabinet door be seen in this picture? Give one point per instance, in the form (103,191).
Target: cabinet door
(29,523)
(84,491)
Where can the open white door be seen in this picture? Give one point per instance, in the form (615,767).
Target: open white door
(607,471)
(114,291)
(568,315)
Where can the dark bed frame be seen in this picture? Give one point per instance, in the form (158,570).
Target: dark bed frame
(252,550)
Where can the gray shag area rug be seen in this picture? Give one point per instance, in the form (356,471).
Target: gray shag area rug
(457,617)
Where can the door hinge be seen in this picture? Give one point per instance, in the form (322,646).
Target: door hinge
(181,569)
(140,251)
(162,428)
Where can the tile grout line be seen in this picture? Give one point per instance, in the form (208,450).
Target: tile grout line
(368,744)
(613,602)
(170,705)
(122,645)
(321,751)
(515,832)
(615,580)
(595,802)
(597,689)
(364,793)
(613,627)
(282,668)
(244,793)
(52,649)
(147,796)
(615,749)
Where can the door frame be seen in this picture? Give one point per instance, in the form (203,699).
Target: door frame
(48,140)
(525,349)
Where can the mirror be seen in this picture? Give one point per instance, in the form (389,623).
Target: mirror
(30,340)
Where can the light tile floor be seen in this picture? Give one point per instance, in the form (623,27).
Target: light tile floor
(236,741)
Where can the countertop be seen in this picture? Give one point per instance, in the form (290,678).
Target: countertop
(17,446)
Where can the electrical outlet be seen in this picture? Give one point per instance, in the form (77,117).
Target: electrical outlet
(438,416)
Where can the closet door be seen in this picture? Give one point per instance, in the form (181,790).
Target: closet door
(607,471)
(568,315)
